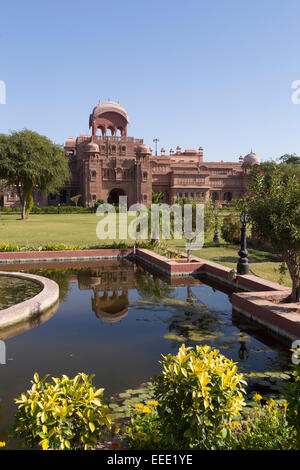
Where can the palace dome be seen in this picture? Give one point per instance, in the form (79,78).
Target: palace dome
(92,147)
(70,142)
(110,107)
(251,160)
(143,149)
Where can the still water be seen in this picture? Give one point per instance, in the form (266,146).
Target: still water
(14,290)
(115,319)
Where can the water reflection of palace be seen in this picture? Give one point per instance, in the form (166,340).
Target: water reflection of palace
(111,283)
(110,300)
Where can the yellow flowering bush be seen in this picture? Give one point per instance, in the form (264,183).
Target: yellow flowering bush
(9,247)
(199,393)
(144,431)
(62,414)
(265,427)
(293,397)
(60,247)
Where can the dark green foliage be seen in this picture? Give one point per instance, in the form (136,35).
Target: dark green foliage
(231,228)
(31,161)
(274,208)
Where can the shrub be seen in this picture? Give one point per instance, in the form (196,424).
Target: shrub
(293,396)
(62,414)
(60,247)
(97,204)
(144,431)
(231,229)
(266,428)
(9,247)
(199,393)
(49,210)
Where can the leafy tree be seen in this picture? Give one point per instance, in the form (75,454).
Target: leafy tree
(3,186)
(288,166)
(231,228)
(275,213)
(290,158)
(31,161)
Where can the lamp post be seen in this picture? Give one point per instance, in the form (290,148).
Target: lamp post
(243,265)
(216,238)
(155,141)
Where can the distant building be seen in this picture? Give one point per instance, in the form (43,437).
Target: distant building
(107,163)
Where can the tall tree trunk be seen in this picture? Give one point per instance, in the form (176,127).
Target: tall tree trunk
(293,264)
(22,201)
(295,297)
(29,199)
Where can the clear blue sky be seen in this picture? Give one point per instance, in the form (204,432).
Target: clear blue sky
(215,73)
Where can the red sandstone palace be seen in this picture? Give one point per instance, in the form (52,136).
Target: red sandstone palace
(107,163)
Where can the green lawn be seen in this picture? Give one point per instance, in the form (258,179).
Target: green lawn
(80,229)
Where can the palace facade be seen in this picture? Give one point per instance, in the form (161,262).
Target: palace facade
(107,163)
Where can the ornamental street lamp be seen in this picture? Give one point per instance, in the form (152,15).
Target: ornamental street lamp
(155,141)
(216,238)
(242,265)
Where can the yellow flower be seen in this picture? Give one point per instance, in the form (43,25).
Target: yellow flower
(146,409)
(2,444)
(234,424)
(117,430)
(271,402)
(138,407)
(257,397)
(152,403)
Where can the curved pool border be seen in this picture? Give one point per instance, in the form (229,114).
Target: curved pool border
(30,308)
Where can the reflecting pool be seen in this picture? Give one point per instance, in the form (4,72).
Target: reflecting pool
(115,319)
(14,290)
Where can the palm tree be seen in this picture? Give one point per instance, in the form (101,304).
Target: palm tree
(156,197)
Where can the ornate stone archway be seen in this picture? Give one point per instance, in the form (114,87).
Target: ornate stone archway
(114,194)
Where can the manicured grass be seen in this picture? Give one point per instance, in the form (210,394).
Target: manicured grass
(260,263)
(80,229)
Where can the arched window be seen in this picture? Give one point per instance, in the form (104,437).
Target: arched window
(145,175)
(101,131)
